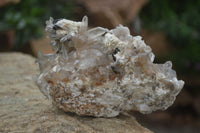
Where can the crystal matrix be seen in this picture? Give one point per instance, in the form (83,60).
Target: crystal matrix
(100,72)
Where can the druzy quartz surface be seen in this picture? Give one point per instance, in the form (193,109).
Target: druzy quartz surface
(100,72)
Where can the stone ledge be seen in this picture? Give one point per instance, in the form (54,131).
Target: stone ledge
(23,108)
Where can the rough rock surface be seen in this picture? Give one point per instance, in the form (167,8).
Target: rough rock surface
(23,108)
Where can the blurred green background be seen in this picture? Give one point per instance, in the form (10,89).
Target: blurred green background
(179,20)
(27,18)
(170,27)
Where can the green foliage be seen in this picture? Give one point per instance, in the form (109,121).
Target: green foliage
(28,17)
(180,21)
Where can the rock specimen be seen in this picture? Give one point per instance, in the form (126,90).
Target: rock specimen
(100,72)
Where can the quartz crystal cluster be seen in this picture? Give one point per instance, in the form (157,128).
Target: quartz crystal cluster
(100,72)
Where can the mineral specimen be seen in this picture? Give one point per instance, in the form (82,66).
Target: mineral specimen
(100,72)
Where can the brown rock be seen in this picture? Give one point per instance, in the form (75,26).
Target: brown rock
(158,42)
(23,108)
(6,2)
(111,13)
(197,104)
(7,40)
(41,45)
(187,100)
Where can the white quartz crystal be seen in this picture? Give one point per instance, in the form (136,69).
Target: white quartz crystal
(100,72)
